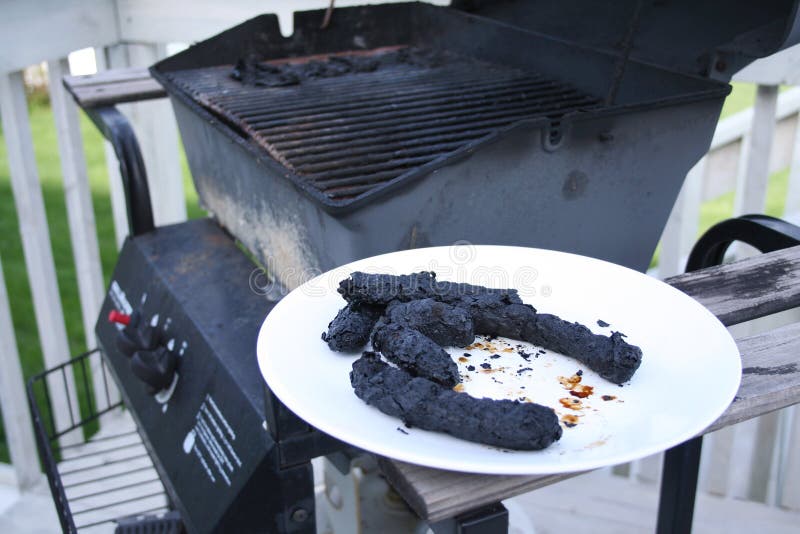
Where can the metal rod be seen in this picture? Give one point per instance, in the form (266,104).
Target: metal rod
(456,107)
(389,134)
(106,477)
(86,387)
(622,62)
(67,393)
(321,110)
(105,491)
(679,487)
(96,440)
(104,464)
(117,503)
(95,453)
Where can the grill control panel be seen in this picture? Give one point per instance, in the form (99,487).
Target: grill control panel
(178,328)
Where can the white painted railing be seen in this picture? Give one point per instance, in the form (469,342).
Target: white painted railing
(745,148)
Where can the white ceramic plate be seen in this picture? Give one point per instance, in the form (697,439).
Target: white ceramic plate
(690,370)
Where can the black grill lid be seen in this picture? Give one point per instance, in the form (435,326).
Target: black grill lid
(713,38)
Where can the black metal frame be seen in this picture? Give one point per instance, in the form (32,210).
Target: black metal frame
(47,437)
(116,128)
(491,519)
(682,462)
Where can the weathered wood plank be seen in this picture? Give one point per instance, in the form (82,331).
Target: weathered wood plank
(80,214)
(771,380)
(36,246)
(108,77)
(435,494)
(13,401)
(112,87)
(748,289)
(770,375)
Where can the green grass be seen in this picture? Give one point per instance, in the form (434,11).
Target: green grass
(48,163)
(47,159)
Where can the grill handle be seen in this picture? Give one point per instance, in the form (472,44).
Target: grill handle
(118,131)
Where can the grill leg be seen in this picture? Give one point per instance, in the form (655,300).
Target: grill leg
(679,487)
(492,519)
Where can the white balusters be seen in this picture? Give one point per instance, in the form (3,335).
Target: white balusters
(80,213)
(36,247)
(13,401)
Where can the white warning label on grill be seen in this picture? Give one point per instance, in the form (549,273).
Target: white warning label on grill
(212,440)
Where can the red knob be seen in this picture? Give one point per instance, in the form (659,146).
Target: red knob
(115,316)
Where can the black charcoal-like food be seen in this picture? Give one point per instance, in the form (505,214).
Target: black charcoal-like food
(449,326)
(349,331)
(413,351)
(508,320)
(611,357)
(427,405)
(381,289)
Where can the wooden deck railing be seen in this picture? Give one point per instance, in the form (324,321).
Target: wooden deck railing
(128,33)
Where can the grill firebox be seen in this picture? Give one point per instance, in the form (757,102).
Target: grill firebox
(347,134)
(489,134)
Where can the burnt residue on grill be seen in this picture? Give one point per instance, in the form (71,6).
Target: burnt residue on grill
(348,123)
(281,73)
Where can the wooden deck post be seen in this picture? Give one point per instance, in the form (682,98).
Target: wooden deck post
(792,206)
(36,246)
(680,233)
(80,212)
(13,401)
(753,176)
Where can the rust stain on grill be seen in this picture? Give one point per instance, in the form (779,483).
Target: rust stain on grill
(351,133)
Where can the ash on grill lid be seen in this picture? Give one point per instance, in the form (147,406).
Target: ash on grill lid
(713,38)
(389,93)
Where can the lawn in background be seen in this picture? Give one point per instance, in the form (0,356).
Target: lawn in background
(49,166)
(47,158)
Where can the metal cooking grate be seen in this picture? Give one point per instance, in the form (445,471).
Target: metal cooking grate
(349,134)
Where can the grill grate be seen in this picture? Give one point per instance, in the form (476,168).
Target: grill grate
(348,134)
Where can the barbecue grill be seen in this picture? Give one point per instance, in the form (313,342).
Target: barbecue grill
(474,143)
(568,125)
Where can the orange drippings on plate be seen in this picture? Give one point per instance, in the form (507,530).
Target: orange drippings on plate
(569,420)
(571,403)
(581,391)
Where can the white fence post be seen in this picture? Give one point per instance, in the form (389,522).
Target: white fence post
(789,489)
(753,176)
(13,401)
(792,206)
(680,233)
(80,212)
(36,247)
